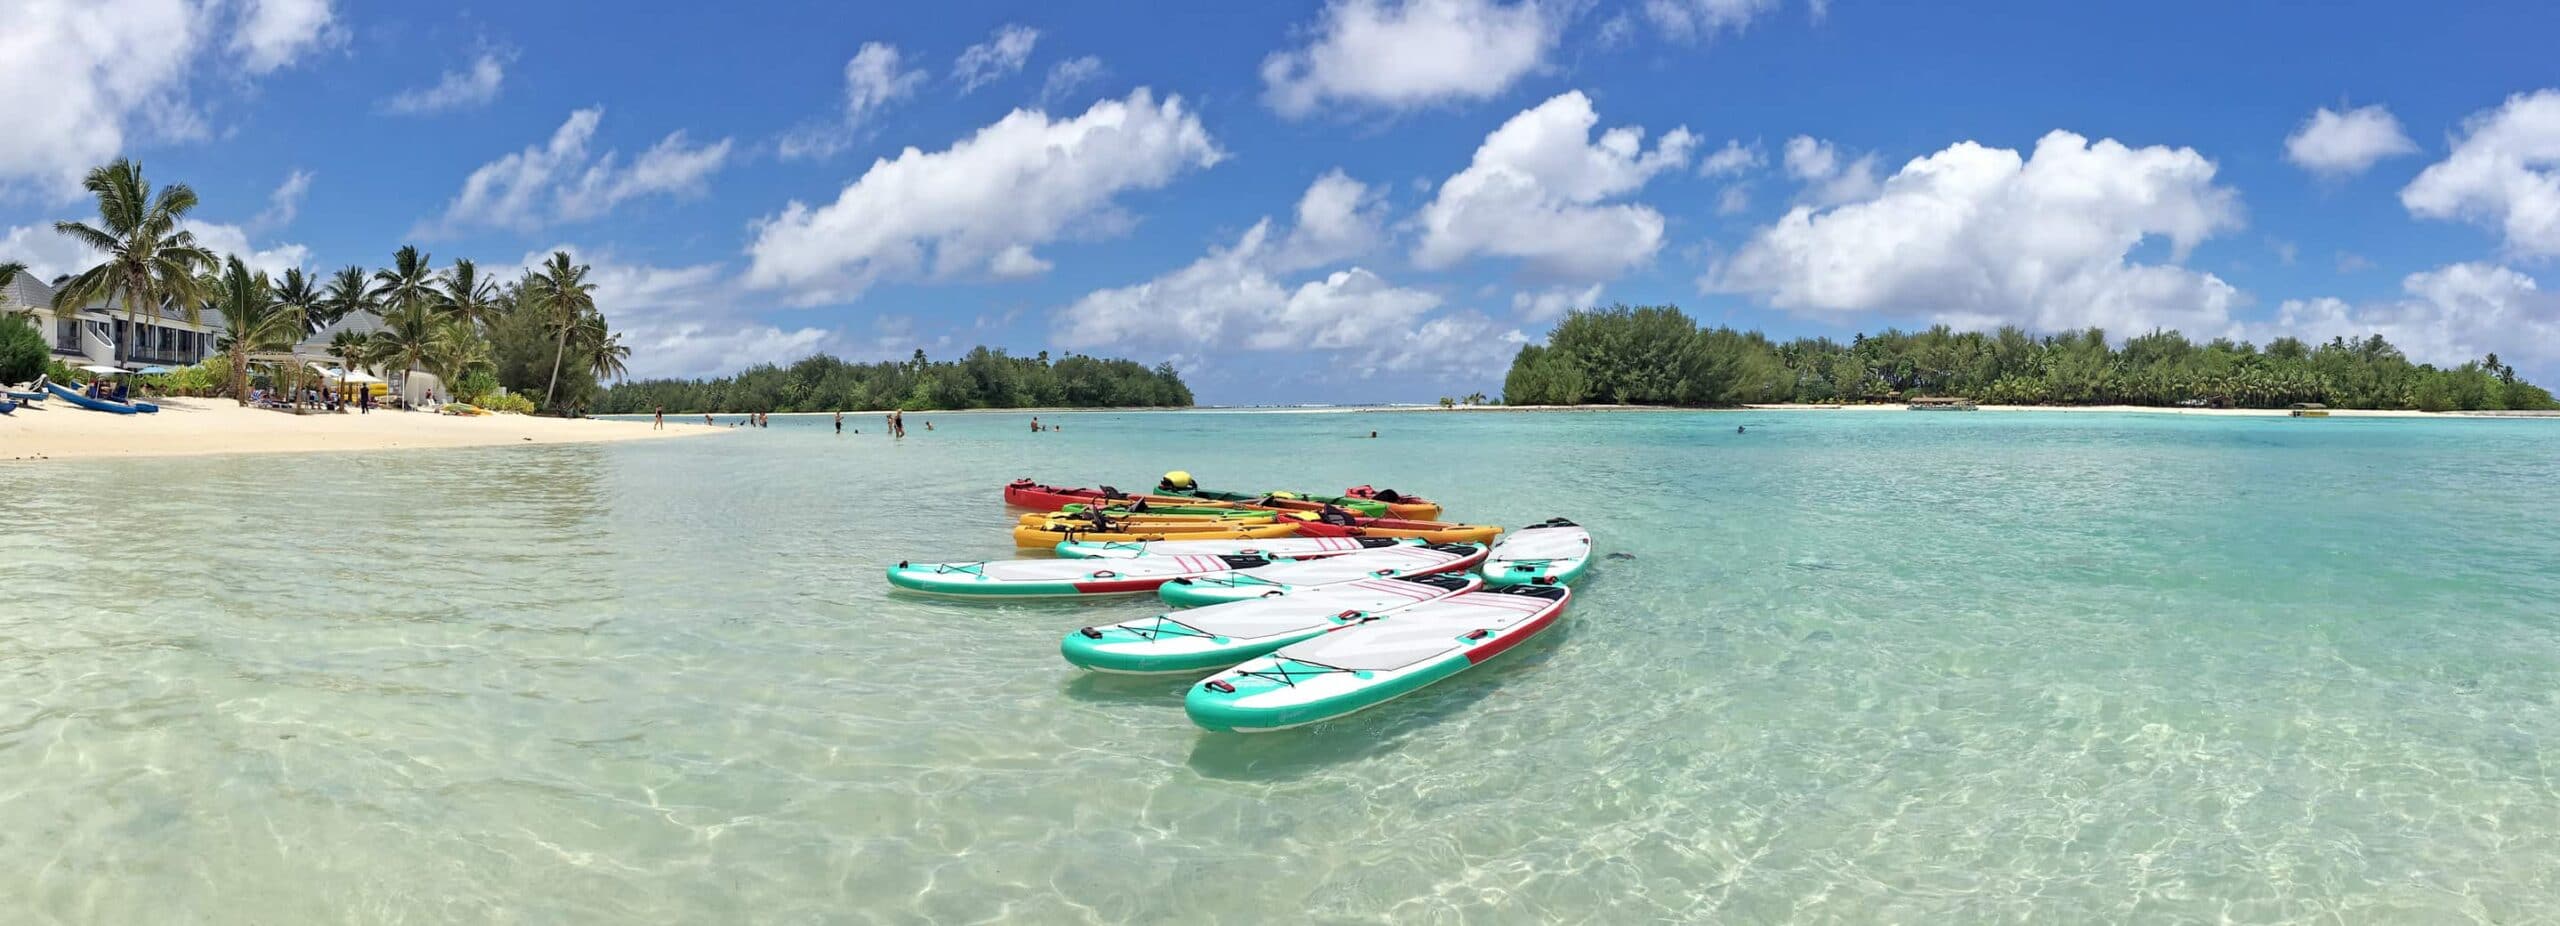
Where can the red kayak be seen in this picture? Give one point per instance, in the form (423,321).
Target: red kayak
(1024,493)
(1398,504)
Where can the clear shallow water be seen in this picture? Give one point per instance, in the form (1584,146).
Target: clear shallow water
(1864,668)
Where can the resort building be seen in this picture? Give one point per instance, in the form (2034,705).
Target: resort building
(96,334)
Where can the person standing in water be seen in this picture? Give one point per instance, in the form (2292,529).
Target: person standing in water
(1035,424)
(839,421)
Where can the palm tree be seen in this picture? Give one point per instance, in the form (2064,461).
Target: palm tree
(352,350)
(10,269)
(410,282)
(149,259)
(607,356)
(454,350)
(407,336)
(560,292)
(296,291)
(257,320)
(469,297)
(348,294)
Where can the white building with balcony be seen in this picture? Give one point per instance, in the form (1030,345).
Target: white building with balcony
(96,334)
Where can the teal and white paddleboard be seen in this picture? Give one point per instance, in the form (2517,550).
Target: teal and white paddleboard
(1042,578)
(1361,667)
(1552,553)
(1283,578)
(1292,547)
(1221,635)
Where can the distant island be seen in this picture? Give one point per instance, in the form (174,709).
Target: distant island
(983,378)
(1657,356)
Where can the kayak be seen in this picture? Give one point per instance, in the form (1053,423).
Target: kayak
(1292,547)
(1077,522)
(1157,527)
(1363,666)
(1428,531)
(1285,501)
(1399,505)
(1080,514)
(1285,578)
(1221,635)
(1028,494)
(1165,511)
(1037,578)
(1043,535)
(1552,553)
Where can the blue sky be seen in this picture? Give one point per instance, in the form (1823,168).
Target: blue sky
(1340,201)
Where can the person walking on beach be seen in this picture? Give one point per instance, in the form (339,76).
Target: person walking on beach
(839,422)
(658,418)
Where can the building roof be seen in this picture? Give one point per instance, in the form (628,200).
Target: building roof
(27,292)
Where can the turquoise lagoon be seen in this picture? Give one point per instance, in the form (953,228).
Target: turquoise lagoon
(1860,668)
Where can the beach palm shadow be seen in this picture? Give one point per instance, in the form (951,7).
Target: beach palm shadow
(1292,754)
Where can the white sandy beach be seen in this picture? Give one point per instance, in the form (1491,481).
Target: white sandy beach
(57,430)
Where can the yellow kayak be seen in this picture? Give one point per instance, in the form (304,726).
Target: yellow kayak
(1051,534)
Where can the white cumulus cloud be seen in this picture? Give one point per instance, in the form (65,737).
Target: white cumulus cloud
(1022,182)
(1553,302)
(78,78)
(2336,144)
(273,33)
(233,241)
(469,88)
(1538,188)
(875,78)
(1732,159)
(1233,296)
(1978,236)
(1685,19)
(1339,218)
(1829,177)
(1399,54)
(1000,56)
(285,202)
(558,181)
(2447,316)
(1069,76)
(2504,173)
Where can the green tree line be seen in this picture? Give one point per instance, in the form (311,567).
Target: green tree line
(540,334)
(1656,355)
(982,379)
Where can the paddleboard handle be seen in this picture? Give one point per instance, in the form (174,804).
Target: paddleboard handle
(1219,687)
(1105,574)
(1091,633)
(902,564)
(1479,634)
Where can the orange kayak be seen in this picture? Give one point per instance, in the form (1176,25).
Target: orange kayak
(1050,535)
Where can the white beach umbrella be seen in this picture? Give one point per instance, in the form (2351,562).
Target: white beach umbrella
(102,370)
(362,377)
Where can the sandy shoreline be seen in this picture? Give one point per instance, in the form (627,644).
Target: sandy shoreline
(58,430)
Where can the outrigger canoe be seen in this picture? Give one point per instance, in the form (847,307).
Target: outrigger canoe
(110,406)
(1290,577)
(1292,547)
(1363,666)
(1048,535)
(1551,553)
(1049,578)
(1221,635)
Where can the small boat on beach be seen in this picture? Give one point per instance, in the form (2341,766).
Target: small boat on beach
(2309,410)
(110,406)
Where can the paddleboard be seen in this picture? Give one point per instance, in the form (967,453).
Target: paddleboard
(1292,547)
(1287,577)
(1045,578)
(1221,635)
(1363,666)
(1552,553)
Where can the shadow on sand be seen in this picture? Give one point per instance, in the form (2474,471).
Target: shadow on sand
(1296,753)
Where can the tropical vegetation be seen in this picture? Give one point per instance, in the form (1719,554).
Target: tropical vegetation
(1658,356)
(539,334)
(984,378)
